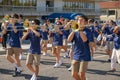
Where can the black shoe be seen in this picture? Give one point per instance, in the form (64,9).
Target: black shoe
(14,74)
(109,60)
(17,74)
(15,69)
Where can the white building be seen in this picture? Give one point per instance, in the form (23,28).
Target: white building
(46,7)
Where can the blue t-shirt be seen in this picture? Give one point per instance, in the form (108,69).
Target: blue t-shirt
(96,28)
(45,35)
(117,41)
(91,28)
(21,29)
(66,33)
(89,34)
(57,39)
(81,49)
(34,43)
(108,31)
(14,38)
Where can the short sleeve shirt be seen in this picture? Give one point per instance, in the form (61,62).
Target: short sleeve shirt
(66,33)
(81,49)
(34,43)
(45,35)
(14,38)
(117,41)
(57,39)
(109,31)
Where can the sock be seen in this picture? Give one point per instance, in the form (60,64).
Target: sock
(15,64)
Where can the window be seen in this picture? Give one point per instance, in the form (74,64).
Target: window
(19,2)
(78,4)
(111,12)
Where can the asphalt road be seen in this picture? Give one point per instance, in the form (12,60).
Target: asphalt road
(97,70)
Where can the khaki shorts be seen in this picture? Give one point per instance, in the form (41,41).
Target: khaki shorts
(13,50)
(92,44)
(50,40)
(109,45)
(33,57)
(79,66)
(56,49)
(45,41)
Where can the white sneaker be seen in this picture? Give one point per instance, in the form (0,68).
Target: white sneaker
(56,65)
(35,78)
(44,54)
(19,69)
(32,76)
(70,68)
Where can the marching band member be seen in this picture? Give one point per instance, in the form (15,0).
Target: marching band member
(14,44)
(116,50)
(35,51)
(44,41)
(81,51)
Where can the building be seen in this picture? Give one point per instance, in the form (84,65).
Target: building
(110,10)
(31,8)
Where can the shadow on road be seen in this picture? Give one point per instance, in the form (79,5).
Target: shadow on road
(47,78)
(6,71)
(94,71)
(102,61)
(101,72)
(116,73)
(66,65)
(47,62)
(27,77)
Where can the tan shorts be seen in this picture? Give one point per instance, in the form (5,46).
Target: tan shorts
(45,41)
(79,66)
(50,40)
(109,45)
(33,57)
(13,50)
(56,49)
(92,44)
